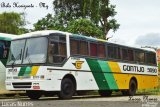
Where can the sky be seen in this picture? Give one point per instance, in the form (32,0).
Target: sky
(139,22)
(139,19)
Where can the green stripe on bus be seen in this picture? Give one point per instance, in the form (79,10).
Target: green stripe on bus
(108,76)
(98,74)
(22,71)
(104,66)
(25,71)
(28,71)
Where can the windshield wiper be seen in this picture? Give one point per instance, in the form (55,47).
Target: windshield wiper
(17,57)
(27,56)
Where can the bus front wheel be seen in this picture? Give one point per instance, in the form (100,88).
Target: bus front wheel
(67,89)
(34,95)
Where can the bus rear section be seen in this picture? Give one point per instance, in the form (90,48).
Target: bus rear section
(55,62)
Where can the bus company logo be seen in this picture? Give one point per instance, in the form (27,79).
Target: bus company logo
(78,64)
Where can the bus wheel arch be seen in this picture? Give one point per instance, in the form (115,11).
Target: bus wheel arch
(68,87)
(135,79)
(133,86)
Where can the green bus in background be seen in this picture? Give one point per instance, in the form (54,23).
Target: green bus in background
(5,40)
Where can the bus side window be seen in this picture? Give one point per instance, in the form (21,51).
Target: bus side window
(83,48)
(110,51)
(93,49)
(150,58)
(74,45)
(101,51)
(50,52)
(114,52)
(130,55)
(125,54)
(57,51)
(139,56)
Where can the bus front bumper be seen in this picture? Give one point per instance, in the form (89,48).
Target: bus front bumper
(45,85)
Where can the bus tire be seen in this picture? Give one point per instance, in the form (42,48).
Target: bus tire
(34,95)
(105,93)
(132,87)
(67,89)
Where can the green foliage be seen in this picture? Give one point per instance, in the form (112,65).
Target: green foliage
(87,17)
(12,23)
(84,27)
(159,66)
(49,22)
(98,11)
(79,26)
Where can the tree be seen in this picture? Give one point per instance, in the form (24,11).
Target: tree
(98,11)
(84,27)
(79,26)
(12,23)
(49,22)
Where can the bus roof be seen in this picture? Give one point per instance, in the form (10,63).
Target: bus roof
(39,33)
(133,47)
(8,37)
(78,36)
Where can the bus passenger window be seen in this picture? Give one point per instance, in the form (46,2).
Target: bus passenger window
(57,51)
(139,56)
(50,53)
(74,47)
(118,53)
(125,54)
(62,49)
(114,52)
(101,51)
(150,58)
(83,48)
(93,49)
(130,55)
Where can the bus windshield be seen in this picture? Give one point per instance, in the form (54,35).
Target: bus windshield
(16,52)
(36,50)
(28,51)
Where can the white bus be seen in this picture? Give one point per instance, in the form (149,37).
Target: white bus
(5,40)
(62,63)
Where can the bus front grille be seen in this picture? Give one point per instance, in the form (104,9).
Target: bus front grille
(22,85)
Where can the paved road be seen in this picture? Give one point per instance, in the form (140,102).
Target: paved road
(84,101)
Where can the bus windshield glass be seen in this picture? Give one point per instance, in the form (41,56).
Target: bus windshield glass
(35,50)
(16,50)
(28,51)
